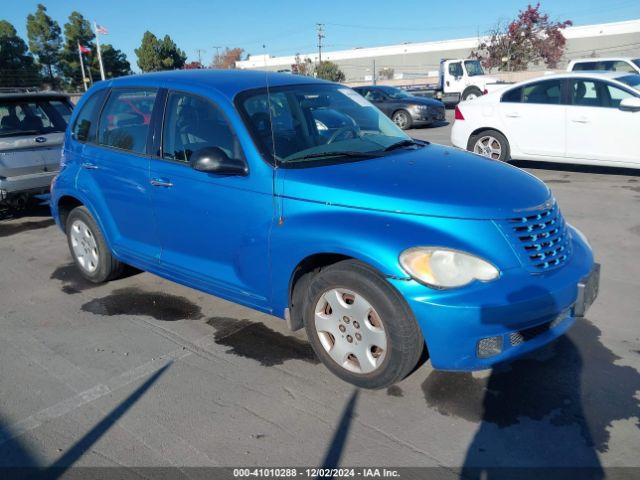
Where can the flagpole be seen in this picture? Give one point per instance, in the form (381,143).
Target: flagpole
(95,29)
(82,67)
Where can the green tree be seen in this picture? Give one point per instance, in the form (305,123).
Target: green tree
(115,62)
(155,55)
(76,31)
(329,71)
(17,68)
(44,40)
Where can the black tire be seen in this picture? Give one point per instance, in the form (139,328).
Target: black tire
(405,343)
(471,91)
(403,119)
(505,152)
(108,268)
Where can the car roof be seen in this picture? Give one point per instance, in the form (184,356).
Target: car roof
(27,95)
(602,59)
(228,82)
(598,74)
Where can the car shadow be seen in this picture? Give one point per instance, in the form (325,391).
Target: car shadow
(553,408)
(570,167)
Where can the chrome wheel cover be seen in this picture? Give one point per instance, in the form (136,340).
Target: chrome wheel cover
(489,147)
(84,246)
(350,330)
(400,119)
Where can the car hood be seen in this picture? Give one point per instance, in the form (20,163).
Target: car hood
(431,181)
(431,102)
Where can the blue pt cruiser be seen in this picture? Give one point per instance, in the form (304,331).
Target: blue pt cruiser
(299,198)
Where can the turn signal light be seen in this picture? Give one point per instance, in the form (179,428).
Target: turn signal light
(458,114)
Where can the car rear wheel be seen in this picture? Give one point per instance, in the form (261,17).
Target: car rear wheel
(360,327)
(89,249)
(402,119)
(491,144)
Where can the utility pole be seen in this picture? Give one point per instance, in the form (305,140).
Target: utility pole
(374,72)
(217,52)
(199,52)
(320,32)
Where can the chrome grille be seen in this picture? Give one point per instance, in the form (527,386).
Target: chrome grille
(541,239)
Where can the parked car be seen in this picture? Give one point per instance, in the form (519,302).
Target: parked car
(614,64)
(377,244)
(32,128)
(588,118)
(404,109)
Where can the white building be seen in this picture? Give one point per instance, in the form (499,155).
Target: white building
(412,60)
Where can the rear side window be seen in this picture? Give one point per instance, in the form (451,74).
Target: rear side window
(29,117)
(124,123)
(513,96)
(192,123)
(547,92)
(582,66)
(84,128)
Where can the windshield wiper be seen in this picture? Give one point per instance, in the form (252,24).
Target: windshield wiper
(405,143)
(346,153)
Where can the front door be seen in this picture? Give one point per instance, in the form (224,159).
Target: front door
(596,127)
(213,229)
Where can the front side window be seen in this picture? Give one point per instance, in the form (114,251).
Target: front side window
(124,123)
(586,93)
(547,92)
(297,123)
(395,93)
(193,123)
(624,67)
(474,68)
(29,117)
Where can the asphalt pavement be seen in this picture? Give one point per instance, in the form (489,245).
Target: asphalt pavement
(144,372)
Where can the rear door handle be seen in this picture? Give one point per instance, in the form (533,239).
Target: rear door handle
(580,120)
(513,115)
(89,166)
(160,182)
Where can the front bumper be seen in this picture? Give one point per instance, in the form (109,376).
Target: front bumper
(521,311)
(426,117)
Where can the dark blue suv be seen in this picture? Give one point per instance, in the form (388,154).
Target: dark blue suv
(299,198)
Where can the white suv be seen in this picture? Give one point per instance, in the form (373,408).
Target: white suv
(613,64)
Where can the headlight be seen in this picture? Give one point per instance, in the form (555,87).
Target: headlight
(444,268)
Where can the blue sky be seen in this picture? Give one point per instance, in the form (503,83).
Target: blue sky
(288,26)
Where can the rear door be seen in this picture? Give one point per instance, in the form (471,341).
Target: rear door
(115,175)
(596,127)
(534,118)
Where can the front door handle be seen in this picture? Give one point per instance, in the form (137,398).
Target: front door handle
(580,120)
(513,115)
(160,182)
(89,166)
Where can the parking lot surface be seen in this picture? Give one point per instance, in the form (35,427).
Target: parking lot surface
(144,372)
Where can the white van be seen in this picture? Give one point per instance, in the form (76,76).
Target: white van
(613,64)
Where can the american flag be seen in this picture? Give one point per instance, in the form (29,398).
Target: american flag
(101,30)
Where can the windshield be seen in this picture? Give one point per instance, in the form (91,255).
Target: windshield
(395,92)
(33,116)
(631,80)
(302,122)
(473,68)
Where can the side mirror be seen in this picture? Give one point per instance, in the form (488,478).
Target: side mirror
(214,160)
(631,104)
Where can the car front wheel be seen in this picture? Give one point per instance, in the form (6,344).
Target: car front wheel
(360,326)
(402,119)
